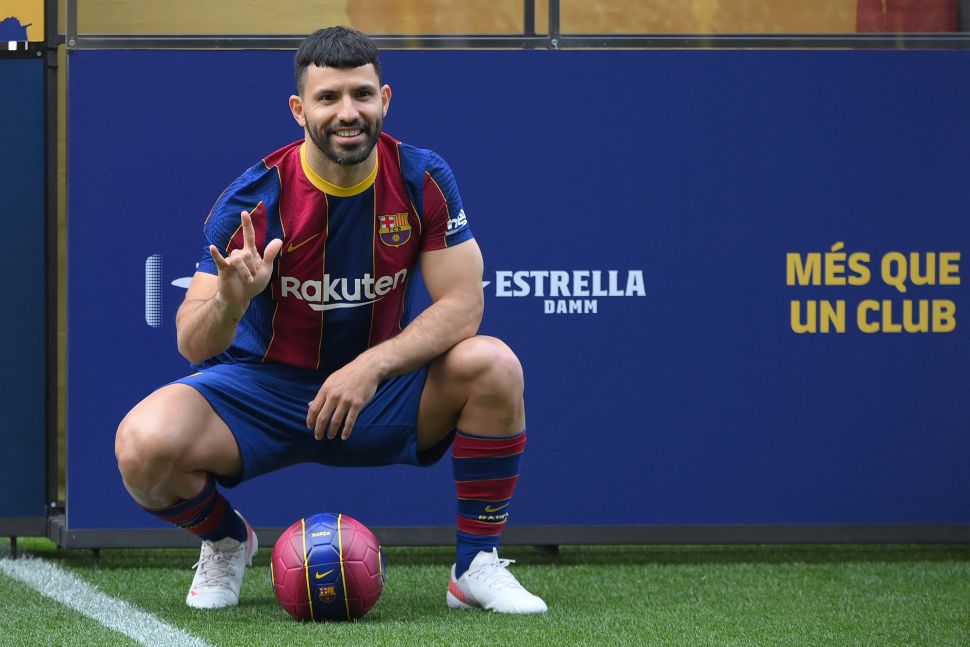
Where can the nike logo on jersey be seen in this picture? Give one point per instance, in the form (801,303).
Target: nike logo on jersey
(293,247)
(320,576)
(496,508)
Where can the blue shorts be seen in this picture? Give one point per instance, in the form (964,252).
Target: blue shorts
(265,408)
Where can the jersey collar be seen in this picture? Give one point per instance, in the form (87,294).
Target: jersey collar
(330,188)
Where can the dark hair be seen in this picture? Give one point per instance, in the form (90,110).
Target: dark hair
(341,47)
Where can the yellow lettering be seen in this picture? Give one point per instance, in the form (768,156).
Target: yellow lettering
(888,325)
(923,323)
(944,316)
(949,268)
(820,316)
(916,274)
(894,270)
(808,272)
(862,316)
(859,263)
(796,321)
(835,265)
(834,316)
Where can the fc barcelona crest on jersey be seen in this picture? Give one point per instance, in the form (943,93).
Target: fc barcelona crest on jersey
(394,229)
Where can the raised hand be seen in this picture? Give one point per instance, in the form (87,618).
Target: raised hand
(245,273)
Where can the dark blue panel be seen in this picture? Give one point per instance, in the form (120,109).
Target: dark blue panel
(22,462)
(691,401)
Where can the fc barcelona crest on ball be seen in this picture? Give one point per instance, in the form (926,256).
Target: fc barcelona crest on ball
(327,594)
(394,229)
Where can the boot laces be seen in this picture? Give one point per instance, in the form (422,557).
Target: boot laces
(495,573)
(215,566)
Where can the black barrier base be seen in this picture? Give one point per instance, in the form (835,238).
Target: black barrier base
(23,526)
(14,527)
(553,536)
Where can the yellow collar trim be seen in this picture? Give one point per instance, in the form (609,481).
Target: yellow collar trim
(333,189)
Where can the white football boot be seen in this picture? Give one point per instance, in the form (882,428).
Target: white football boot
(219,571)
(487,584)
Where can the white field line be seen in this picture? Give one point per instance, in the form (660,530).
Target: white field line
(55,583)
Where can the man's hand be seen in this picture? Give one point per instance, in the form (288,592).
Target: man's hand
(207,319)
(244,274)
(453,277)
(341,398)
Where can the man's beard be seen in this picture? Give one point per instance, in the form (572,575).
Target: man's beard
(346,157)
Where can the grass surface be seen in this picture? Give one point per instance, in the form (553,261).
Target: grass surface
(641,595)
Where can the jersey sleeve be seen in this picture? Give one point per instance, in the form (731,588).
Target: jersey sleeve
(223,226)
(445,223)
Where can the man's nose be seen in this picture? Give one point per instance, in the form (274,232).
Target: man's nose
(348,110)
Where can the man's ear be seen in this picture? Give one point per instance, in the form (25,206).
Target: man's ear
(386,97)
(296,108)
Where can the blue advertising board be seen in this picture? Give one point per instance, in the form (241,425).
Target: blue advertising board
(734,278)
(23,461)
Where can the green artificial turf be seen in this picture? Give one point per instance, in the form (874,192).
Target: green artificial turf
(632,595)
(28,619)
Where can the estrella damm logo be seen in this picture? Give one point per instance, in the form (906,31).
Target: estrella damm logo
(327,594)
(394,229)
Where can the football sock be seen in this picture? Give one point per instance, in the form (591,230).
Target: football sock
(207,515)
(486,470)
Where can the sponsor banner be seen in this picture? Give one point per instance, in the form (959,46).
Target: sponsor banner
(569,292)
(737,286)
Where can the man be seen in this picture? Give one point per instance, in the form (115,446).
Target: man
(294,322)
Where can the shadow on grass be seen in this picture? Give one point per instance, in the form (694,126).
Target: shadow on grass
(441,556)
(700,554)
(765,554)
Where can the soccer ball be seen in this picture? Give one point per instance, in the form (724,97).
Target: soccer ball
(327,567)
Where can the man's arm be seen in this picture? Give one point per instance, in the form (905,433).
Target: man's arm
(206,323)
(453,277)
(207,319)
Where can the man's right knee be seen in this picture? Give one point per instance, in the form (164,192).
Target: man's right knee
(163,446)
(142,450)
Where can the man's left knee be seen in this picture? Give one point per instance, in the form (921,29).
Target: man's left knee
(490,367)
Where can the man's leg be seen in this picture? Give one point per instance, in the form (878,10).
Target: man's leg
(476,389)
(169,449)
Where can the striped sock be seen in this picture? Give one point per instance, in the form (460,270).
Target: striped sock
(486,470)
(207,515)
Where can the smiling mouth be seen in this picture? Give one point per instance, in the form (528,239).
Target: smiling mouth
(347,132)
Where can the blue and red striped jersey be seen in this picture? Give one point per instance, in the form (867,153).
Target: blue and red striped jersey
(340,281)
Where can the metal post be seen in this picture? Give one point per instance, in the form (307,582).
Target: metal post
(71,23)
(553,24)
(51,236)
(529,20)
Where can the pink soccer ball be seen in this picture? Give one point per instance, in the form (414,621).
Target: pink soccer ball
(327,567)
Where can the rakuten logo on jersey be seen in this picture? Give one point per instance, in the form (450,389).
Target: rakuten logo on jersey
(456,223)
(568,291)
(330,294)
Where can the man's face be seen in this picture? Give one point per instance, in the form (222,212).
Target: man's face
(343,111)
